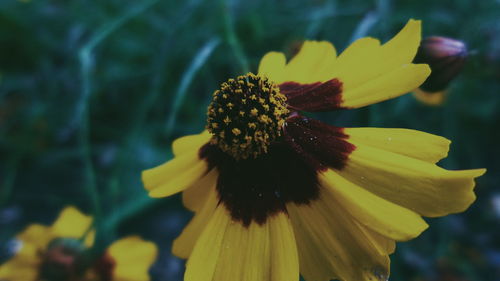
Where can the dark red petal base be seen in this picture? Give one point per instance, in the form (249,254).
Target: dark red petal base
(254,189)
(320,144)
(104,267)
(314,97)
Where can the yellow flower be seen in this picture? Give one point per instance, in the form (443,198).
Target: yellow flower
(58,253)
(290,195)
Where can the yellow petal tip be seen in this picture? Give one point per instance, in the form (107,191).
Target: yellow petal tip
(156,194)
(417,24)
(145,180)
(421,228)
(479,172)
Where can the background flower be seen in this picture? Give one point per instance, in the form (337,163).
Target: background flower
(91,93)
(62,249)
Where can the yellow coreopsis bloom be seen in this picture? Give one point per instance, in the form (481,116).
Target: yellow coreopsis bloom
(277,194)
(57,253)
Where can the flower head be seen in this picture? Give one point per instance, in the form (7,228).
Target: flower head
(61,253)
(446,57)
(246,115)
(277,194)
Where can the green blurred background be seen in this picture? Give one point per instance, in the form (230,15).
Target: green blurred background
(93,92)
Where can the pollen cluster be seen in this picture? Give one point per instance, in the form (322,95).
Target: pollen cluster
(246,115)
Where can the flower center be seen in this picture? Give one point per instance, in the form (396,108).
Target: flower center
(246,115)
(67,259)
(60,260)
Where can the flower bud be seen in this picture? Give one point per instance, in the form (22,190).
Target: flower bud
(446,58)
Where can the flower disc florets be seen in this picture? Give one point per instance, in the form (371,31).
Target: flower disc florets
(68,259)
(62,260)
(246,115)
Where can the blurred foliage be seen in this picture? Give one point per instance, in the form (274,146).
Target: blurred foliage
(91,93)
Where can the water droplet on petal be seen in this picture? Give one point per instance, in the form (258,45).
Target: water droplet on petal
(380,273)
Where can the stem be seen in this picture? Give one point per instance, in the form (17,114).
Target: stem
(231,37)
(160,64)
(10,176)
(136,206)
(83,136)
(196,64)
(85,56)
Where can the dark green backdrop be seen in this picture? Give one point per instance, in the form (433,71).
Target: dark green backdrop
(93,92)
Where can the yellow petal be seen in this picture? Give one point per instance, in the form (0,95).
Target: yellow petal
(23,266)
(203,261)
(19,269)
(71,223)
(272,66)
(243,254)
(384,245)
(411,143)
(403,47)
(89,239)
(357,59)
(190,143)
(228,251)
(331,244)
(376,213)
(180,182)
(392,84)
(312,63)
(182,171)
(37,235)
(195,196)
(414,184)
(133,257)
(284,263)
(366,59)
(33,240)
(154,177)
(183,245)
(175,175)
(371,72)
